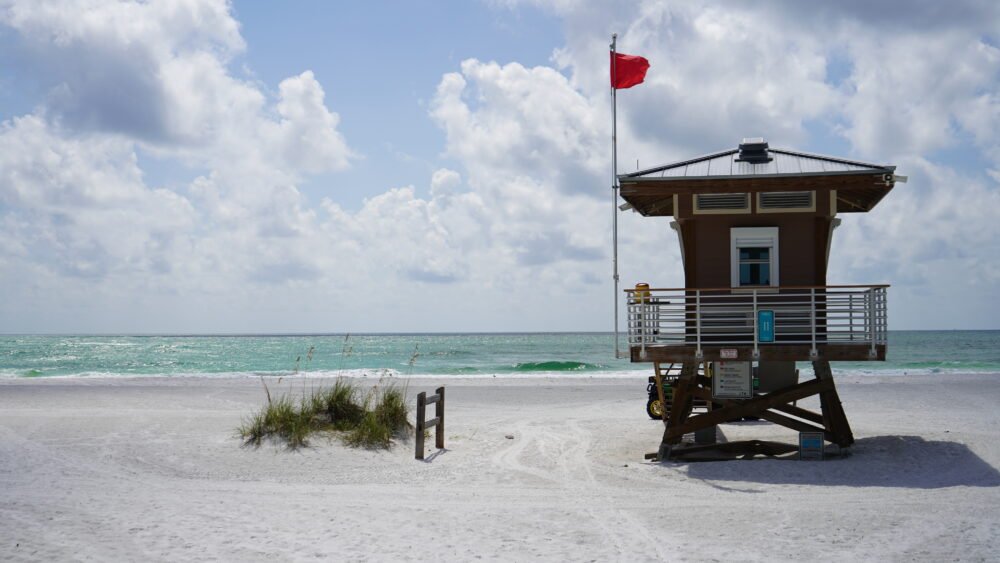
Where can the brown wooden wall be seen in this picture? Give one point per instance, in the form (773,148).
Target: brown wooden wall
(802,240)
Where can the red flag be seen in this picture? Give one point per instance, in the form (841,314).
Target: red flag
(627,70)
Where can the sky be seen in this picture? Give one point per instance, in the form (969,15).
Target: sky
(203,166)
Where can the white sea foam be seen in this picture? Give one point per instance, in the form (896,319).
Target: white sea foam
(805,373)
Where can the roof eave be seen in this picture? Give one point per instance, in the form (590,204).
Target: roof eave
(630,178)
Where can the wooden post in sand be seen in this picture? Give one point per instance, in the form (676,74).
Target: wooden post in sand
(437,422)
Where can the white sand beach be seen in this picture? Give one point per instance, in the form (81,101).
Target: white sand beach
(151,469)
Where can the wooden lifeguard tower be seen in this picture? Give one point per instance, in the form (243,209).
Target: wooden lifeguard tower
(755,226)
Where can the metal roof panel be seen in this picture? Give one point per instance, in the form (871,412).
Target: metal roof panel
(699,168)
(722,165)
(784,162)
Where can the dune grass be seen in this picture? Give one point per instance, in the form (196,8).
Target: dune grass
(278,418)
(384,418)
(372,420)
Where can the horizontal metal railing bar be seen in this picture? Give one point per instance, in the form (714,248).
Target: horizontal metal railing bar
(786,307)
(812,315)
(760,288)
(720,304)
(747,327)
(736,293)
(717,337)
(717,342)
(718,321)
(748,319)
(829,335)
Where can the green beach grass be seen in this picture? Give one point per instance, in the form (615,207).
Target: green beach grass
(367,420)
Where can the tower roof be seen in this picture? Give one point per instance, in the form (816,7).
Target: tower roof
(755,167)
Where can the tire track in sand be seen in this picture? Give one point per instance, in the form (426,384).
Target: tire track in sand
(557,451)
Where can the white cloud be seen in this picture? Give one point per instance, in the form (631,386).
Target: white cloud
(80,205)
(941,221)
(514,233)
(112,66)
(899,82)
(444,183)
(158,73)
(914,96)
(308,131)
(512,120)
(129,75)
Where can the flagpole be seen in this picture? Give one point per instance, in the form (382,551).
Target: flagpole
(614,181)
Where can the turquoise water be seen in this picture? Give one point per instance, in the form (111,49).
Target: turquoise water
(910,352)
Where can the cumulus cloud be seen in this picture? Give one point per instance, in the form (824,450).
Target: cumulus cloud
(916,77)
(308,131)
(913,84)
(129,77)
(514,233)
(531,147)
(80,206)
(158,73)
(514,120)
(114,66)
(940,259)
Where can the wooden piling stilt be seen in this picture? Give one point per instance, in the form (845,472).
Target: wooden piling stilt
(777,407)
(834,418)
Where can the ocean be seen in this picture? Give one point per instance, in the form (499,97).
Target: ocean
(507,355)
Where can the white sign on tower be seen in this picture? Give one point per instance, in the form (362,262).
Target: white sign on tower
(732,380)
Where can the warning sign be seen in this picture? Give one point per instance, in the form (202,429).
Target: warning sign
(732,380)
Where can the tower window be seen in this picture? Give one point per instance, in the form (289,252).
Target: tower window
(755,266)
(754,252)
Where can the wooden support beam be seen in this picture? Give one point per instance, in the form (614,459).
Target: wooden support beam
(730,450)
(776,418)
(681,404)
(791,423)
(797,425)
(689,386)
(705,393)
(689,376)
(800,413)
(851,203)
(659,393)
(834,418)
(735,408)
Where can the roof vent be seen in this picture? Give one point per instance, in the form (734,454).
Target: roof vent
(753,150)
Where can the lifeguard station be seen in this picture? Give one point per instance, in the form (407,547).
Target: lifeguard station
(755,226)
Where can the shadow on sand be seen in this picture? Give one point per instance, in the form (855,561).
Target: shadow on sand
(881,461)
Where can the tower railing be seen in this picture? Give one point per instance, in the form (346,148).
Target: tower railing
(760,316)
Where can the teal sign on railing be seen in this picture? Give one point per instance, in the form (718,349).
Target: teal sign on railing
(765,326)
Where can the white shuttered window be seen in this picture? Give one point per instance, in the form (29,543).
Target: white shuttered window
(754,256)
